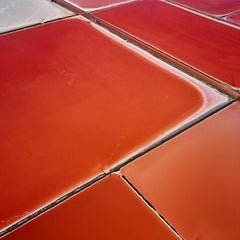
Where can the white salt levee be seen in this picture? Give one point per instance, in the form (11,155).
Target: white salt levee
(92,5)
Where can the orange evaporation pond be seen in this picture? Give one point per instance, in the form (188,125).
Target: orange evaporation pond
(193,180)
(73,103)
(207,45)
(107,210)
(214,7)
(234,18)
(94,3)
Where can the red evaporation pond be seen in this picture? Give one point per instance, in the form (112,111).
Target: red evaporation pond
(214,7)
(209,46)
(194,179)
(234,18)
(74,102)
(107,210)
(94,3)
